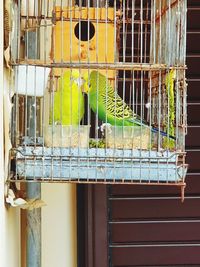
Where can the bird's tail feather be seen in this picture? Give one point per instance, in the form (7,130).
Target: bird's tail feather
(156,130)
(138,122)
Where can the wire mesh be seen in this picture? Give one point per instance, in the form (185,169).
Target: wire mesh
(100,91)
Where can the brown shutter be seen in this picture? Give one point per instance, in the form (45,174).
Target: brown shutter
(149,226)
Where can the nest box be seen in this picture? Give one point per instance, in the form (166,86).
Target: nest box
(85,35)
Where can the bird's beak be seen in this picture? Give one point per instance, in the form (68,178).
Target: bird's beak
(85,85)
(85,88)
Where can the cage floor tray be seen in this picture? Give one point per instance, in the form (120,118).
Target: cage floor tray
(108,165)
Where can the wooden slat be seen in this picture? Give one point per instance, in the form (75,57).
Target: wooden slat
(155,209)
(193,134)
(193,110)
(193,18)
(193,3)
(155,256)
(193,90)
(192,188)
(193,40)
(192,159)
(192,63)
(156,232)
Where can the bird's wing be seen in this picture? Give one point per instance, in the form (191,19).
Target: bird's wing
(113,103)
(116,107)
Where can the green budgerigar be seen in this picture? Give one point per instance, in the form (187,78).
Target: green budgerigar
(109,106)
(107,103)
(68,108)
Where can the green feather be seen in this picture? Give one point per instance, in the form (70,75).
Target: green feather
(109,106)
(68,108)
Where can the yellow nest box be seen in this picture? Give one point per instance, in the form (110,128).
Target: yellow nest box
(85,35)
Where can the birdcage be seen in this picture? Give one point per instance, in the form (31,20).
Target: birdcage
(99,92)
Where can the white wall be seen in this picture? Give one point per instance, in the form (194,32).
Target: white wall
(59,225)
(10,236)
(9,218)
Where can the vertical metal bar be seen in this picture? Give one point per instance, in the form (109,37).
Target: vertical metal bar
(177,86)
(97,80)
(61,86)
(53,86)
(106,60)
(132,36)
(184,84)
(124,33)
(150,117)
(160,75)
(71,59)
(146,33)
(80,60)
(45,10)
(125,18)
(184,3)
(154,32)
(88,107)
(141,31)
(133,87)
(141,116)
(116,59)
(168,61)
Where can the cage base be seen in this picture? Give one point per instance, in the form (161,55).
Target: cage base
(67,164)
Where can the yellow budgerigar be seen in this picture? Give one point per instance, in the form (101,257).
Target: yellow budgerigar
(68,103)
(170,128)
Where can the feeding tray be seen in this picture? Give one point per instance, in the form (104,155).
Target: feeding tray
(127,137)
(67,136)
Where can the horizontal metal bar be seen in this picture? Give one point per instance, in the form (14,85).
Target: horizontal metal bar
(108,21)
(99,65)
(27,17)
(93,181)
(42,153)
